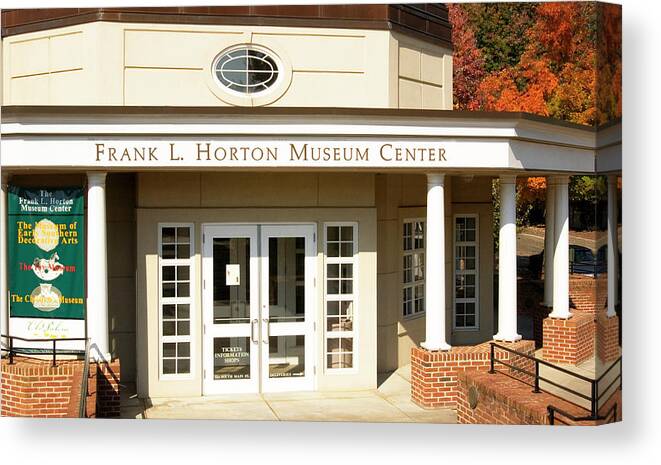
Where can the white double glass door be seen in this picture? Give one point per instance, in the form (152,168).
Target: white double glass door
(258,308)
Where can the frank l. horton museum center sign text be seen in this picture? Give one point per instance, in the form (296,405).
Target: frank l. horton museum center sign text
(273,153)
(295,153)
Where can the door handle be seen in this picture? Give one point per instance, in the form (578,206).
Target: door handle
(252,331)
(268,330)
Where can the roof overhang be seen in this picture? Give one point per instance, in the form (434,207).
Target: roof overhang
(428,22)
(190,138)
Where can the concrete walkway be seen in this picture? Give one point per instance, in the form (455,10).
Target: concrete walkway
(391,402)
(589,368)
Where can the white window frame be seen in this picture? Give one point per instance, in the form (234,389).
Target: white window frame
(476,272)
(412,284)
(249,48)
(190,300)
(353,297)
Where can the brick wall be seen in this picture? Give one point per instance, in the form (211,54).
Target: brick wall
(33,388)
(608,346)
(569,340)
(502,400)
(434,375)
(588,294)
(539,316)
(107,389)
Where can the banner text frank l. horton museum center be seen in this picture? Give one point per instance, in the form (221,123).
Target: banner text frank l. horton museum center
(227,200)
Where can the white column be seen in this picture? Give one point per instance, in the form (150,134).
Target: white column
(97,266)
(435,265)
(507,324)
(4,307)
(613,257)
(561,254)
(549,242)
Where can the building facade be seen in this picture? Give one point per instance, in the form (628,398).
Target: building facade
(280,198)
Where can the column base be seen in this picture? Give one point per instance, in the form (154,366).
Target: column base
(560,316)
(507,337)
(436,346)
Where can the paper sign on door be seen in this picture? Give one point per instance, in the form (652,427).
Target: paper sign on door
(232,275)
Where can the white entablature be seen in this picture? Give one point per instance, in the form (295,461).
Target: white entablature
(194,138)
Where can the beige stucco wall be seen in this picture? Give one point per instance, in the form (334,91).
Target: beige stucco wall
(120,214)
(422,76)
(253,198)
(400,197)
(169,65)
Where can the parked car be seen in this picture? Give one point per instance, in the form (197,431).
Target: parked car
(583,261)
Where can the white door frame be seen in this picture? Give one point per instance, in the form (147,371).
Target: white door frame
(210,330)
(258,329)
(305,328)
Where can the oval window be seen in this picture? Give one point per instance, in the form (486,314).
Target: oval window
(246,70)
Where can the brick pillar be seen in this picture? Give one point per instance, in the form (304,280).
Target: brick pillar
(33,388)
(434,375)
(569,340)
(608,346)
(107,389)
(587,294)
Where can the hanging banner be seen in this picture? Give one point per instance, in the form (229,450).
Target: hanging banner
(46,262)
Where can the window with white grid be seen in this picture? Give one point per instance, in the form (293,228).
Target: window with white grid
(413,267)
(466,266)
(175,298)
(340,295)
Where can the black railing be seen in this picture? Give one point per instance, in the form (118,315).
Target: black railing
(12,350)
(594,398)
(553,412)
(82,406)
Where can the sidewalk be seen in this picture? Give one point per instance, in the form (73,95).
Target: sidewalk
(390,403)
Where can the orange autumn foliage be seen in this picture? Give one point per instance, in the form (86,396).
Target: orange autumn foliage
(500,92)
(531,189)
(570,70)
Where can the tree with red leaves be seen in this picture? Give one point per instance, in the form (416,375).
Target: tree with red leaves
(468,63)
(564,62)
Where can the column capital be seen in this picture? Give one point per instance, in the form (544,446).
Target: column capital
(4,179)
(507,178)
(612,179)
(436,178)
(96,178)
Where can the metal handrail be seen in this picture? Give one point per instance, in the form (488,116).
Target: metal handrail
(552,410)
(82,406)
(13,351)
(594,396)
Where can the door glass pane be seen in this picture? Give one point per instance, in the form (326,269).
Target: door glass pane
(286,356)
(231,280)
(286,279)
(231,358)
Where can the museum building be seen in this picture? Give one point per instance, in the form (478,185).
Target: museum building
(281,198)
